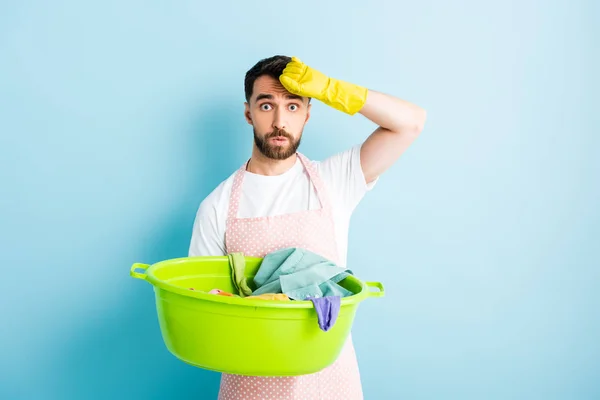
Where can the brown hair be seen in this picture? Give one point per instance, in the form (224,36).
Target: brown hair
(272,66)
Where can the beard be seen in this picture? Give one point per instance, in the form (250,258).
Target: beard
(277,152)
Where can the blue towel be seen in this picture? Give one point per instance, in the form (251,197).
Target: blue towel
(300,274)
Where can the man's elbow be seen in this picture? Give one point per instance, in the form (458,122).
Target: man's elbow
(412,126)
(419,121)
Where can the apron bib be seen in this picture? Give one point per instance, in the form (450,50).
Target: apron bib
(312,230)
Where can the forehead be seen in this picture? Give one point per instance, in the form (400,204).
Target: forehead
(268,85)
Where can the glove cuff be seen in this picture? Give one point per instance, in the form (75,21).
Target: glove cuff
(346,97)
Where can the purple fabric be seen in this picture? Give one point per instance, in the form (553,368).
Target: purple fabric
(327,308)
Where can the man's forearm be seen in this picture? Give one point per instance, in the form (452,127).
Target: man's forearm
(393,114)
(400,123)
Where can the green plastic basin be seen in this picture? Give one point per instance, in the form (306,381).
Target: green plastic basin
(239,335)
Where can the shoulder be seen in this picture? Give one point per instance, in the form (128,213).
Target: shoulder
(208,233)
(218,199)
(340,161)
(345,166)
(209,222)
(344,178)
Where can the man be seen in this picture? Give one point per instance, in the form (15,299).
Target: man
(279,198)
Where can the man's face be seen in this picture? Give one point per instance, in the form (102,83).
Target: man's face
(278,118)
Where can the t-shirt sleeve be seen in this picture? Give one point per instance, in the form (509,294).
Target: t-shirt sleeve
(344,177)
(207,239)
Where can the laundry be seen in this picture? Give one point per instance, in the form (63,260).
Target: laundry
(270,296)
(300,274)
(237,262)
(328,309)
(220,292)
(294,274)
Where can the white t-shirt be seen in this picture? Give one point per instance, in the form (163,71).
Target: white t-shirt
(287,193)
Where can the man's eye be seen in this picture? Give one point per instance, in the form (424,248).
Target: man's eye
(293,107)
(265,107)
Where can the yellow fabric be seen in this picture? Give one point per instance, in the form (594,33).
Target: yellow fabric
(270,296)
(237,262)
(302,80)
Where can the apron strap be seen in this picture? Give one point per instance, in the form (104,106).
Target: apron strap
(236,192)
(315,178)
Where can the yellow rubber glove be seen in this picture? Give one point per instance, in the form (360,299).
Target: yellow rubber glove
(300,79)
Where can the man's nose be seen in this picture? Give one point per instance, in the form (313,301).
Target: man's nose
(279,120)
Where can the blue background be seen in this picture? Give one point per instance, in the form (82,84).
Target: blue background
(118,118)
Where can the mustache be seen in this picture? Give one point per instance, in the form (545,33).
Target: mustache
(279,132)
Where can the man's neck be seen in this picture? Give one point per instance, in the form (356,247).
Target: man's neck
(261,165)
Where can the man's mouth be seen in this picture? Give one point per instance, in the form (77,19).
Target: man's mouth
(279,139)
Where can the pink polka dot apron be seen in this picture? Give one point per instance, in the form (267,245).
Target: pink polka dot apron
(312,230)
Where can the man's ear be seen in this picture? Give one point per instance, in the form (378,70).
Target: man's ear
(247,113)
(308,112)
